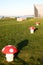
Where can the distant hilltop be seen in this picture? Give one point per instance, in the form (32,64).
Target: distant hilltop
(23,16)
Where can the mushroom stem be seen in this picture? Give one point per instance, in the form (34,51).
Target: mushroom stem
(37,24)
(31,31)
(9,57)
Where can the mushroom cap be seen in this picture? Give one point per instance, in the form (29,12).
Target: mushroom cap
(32,28)
(37,22)
(9,49)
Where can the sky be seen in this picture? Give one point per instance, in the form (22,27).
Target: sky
(18,7)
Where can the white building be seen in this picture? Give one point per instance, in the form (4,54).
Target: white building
(38,10)
(21,19)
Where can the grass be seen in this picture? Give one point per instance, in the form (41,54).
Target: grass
(30,46)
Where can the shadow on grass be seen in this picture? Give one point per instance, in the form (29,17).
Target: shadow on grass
(35,29)
(22,44)
(20,47)
(21,61)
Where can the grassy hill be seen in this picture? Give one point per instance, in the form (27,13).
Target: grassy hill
(30,46)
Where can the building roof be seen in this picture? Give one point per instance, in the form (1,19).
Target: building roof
(39,6)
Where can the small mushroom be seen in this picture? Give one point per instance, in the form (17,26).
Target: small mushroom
(9,50)
(32,28)
(37,23)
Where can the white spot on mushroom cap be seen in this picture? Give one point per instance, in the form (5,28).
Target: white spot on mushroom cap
(11,50)
(3,49)
(9,45)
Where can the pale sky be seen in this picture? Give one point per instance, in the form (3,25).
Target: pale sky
(18,7)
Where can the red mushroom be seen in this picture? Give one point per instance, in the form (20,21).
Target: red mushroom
(32,28)
(9,50)
(37,23)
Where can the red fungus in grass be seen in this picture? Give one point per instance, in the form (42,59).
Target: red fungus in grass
(32,28)
(37,23)
(9,50)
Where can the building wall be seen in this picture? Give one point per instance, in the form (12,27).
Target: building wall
(40,13)
(38,10)
(35,12)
